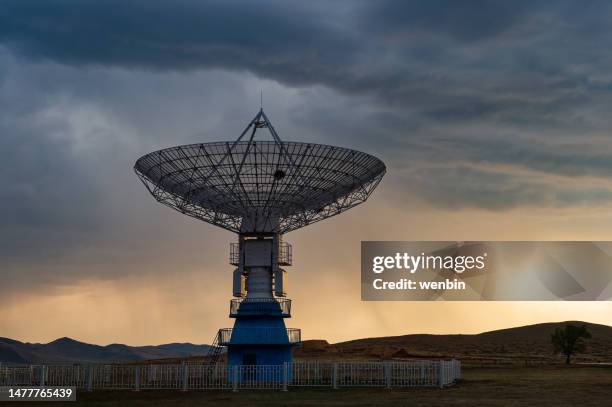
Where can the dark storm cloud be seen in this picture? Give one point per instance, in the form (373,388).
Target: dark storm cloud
(450,59)
(41,173)
(560,159)
(435,80)
(462,186)
(286,41)
(72,209)
(383,47)
(459,20)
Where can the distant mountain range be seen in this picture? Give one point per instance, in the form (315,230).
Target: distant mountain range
(66,350)
(512,345)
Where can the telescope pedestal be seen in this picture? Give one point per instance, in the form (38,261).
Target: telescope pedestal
(259,341)
(259,336)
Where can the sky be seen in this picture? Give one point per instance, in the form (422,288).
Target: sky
(492,117)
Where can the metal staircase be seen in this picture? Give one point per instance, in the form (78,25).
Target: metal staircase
(214,352)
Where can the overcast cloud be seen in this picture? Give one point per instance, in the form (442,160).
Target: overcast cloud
(484,105)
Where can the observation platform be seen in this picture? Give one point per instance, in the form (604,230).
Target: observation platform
(259,336)
(260,307)
(285,254)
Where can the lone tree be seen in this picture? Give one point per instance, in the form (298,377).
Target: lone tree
(569,340)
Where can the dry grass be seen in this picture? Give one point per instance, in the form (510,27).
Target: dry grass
(584,386)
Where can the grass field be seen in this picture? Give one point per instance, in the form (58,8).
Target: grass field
(583,386)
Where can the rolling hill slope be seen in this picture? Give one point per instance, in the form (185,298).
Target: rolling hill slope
(531,342)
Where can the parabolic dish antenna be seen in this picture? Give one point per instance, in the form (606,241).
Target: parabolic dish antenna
(253,186)
(259,189)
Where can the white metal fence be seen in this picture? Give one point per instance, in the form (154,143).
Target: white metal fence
(199,377)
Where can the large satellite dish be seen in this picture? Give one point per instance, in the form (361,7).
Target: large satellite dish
(259,189)
(255,186)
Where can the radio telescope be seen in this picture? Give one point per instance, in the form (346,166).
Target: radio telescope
(259,189)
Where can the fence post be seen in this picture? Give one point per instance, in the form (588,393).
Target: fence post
(235,375)
(90,378)
(335,376)
(285,376)
(440,374)
(388,374)
(42,375)
(137,379)
(185,376)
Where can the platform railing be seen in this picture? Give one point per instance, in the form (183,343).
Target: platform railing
(259,336)
(234,257)
(285,254)
(260,306)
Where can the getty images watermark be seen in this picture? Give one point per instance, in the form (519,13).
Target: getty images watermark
(412,264)
(474,271)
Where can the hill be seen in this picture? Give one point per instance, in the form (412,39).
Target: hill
(529,343)
(66,350)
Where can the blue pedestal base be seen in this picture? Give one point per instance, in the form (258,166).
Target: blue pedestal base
(261,345)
